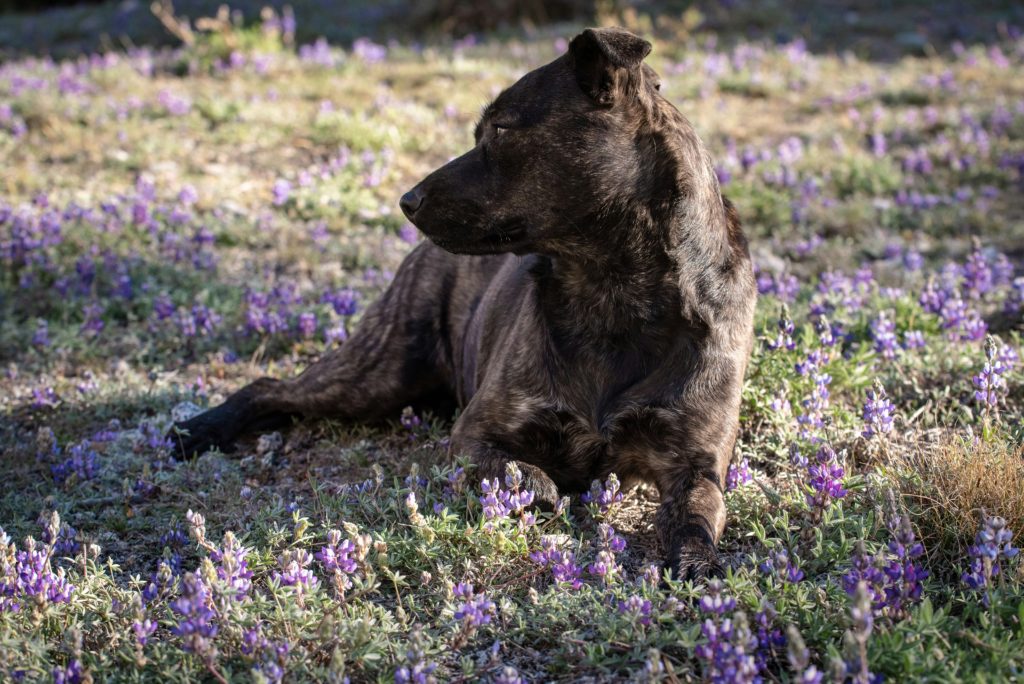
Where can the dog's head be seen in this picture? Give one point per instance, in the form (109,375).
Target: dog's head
(552,152)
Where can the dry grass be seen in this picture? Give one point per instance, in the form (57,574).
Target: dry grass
(948,486)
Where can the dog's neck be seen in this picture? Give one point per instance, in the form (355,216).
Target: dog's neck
(659,268)
(607,293)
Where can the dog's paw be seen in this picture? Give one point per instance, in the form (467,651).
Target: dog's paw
(195,436)
(696,560)
(545,493)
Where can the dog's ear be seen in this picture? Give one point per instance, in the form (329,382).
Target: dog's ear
(597,56)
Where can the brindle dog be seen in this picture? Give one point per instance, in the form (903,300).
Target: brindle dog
(586,298)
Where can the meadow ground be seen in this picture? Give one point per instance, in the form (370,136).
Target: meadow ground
(177,222)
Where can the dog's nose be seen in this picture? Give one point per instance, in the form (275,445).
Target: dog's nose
(411,201)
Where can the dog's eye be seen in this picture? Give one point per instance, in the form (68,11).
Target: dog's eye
(499,130)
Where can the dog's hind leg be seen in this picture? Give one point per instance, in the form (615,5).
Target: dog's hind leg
(392,359)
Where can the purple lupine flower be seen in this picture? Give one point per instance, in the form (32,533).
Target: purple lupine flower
(862,622)
(779,564)
(232,568)
(912,260)
(770,639)
(562,563)
(44,397)
(637,608)
(784,339)
(418,669)
(41,336)
(27,574)
(163,307)
(344,302)
(368,51)
(602,498)
(883,333)
(828,333)
(143,628)
(729,647)
(989,383)
(162,582)
(961,321)
(294,571)
(337,554)
(913,339)
(799,658)
(738,474)
(307,324)
(826,479)
(475,609)
(80,462)
(282,192)
(92,314)
(608,543)
(990,555)
(73,673)
(978,276)
(512,501)
(893,577)
(877,413)
(195,615)
(814,407)
(1015,298)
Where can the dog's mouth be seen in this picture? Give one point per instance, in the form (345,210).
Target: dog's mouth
(510,237)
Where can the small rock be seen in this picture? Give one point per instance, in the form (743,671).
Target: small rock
(184,411)
(269,443)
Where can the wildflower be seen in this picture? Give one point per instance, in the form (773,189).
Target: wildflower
(232,568)
(73,673)
(738,474)
(562,563)
(989,383)
(815,406)
(307,324)
(638,609)
(282,192)
(862,622)
(828,333)
(194,610)
(506,502)
(978,275)
(602,497)
(991,553)
(893,577)
(729,645)
(779,564)
(883,333)
(294,571)
(799,658)
(826,484)
(418,669)
(475,610)
(913,339)
(41,336)
(608,544)
(877,413)
(80,463)
(784,339)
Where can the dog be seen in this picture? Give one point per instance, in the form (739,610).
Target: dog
(586,298)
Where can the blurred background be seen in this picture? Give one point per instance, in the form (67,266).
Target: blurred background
(870,28)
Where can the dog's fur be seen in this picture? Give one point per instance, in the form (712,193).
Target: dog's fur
(586,298)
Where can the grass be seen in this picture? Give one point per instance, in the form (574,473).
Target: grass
(174,224)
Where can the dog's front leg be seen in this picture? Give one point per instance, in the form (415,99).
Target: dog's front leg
(691,518)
